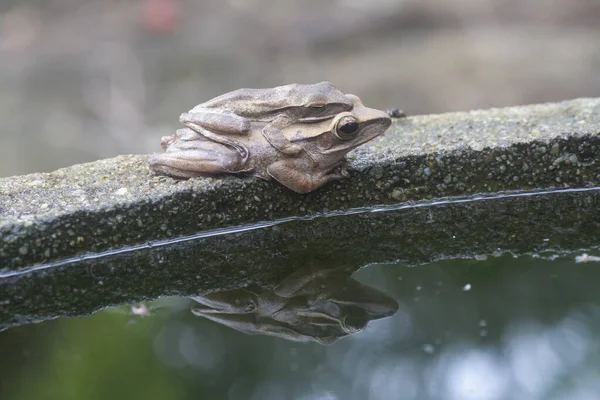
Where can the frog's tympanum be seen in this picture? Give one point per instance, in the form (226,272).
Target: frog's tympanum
(296,134)
(320,306)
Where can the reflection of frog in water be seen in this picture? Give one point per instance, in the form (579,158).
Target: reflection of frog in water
(264,133)
(322,306)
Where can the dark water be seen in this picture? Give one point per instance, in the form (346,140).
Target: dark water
(500,328)
(301,310)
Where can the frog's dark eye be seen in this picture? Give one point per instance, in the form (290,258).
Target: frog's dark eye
(354,323)
(251,306)
(347,128)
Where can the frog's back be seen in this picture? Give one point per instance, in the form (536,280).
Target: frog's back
(254,103)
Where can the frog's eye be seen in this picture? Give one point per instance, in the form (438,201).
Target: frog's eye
(354,323)
(251,306)
(346,128)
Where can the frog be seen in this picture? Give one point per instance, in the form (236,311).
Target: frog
(280,107)
(310,304)
(324,145)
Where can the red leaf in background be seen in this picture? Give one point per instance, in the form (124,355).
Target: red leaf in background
(161,15)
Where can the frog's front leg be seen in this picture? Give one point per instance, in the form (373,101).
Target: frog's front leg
(294,177)
(272,132)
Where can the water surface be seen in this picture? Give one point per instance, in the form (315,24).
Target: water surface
(502,328)
(482,298)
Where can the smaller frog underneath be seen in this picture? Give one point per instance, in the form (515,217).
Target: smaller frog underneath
(323,144)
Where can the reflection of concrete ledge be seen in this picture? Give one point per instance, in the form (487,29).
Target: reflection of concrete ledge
(115,202)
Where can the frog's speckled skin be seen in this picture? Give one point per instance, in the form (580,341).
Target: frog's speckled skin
(323,150)
(279,107)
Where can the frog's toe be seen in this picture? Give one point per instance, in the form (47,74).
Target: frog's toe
(336,176)
(166,141)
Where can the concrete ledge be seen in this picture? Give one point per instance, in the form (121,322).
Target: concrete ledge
(115,202)
(54,227)
(550,225)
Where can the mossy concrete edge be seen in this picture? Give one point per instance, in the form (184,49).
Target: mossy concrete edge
(117,202)
(560,225)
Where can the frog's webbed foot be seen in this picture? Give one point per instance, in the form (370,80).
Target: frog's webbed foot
(227,141)
(342,165)
(272,132)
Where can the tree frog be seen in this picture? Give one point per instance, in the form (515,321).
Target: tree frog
(281,106)
(323,145)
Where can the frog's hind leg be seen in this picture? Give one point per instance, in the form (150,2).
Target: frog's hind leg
(224,140)
(198,169)
(206,160)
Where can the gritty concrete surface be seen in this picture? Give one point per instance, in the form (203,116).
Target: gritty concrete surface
(561,224)
(112,203)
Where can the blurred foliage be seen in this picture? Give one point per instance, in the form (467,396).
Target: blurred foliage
(97,357)
(81,80)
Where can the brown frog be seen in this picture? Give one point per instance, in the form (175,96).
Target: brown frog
(323,144)
(279,107)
